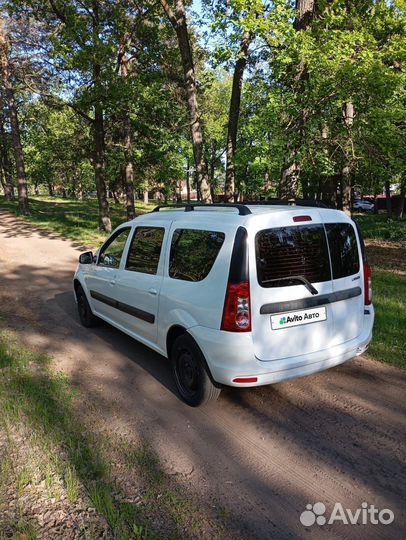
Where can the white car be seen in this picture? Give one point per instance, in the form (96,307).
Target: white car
(363,206)
(236,295)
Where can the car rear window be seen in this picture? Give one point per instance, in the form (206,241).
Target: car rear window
(343,249)
(286,252)
(193,253)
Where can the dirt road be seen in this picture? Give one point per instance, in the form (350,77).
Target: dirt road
(261,454)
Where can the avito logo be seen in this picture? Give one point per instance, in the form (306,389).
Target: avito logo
(315,513)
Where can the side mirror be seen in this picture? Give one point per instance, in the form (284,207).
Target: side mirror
(86,258)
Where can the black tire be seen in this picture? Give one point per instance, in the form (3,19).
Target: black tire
(84,310)
(190,372)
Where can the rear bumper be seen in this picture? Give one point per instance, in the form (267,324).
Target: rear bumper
(231,355)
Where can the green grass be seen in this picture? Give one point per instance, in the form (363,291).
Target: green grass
(73,219)
(388,344)
(383,239)
(33,395)
(379,227)
(63,454)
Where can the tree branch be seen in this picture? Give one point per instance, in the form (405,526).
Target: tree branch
(169,13)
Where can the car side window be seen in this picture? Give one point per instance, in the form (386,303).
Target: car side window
(145,250)
(343,249)
(193,253)
(111,253)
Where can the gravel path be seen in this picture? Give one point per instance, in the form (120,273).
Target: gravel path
(262,454)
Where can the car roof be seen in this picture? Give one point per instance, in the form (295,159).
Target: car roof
(230,215)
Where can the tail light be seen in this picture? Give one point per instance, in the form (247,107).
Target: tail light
(237,309)
(367,284)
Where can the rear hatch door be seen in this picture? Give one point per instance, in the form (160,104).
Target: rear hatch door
(306,283)
(293,278)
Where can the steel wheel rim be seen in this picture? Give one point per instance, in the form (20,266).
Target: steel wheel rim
(187,374)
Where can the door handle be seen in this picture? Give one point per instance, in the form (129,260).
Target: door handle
(112,281)
(154,292)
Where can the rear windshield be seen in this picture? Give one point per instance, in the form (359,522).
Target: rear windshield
(285,252)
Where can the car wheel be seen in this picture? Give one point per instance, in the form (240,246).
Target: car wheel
(190,372)
(84,310)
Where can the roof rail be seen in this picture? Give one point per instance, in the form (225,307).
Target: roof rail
(242,209)
(290,202)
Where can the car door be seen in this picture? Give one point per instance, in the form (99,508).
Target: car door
(140,282)
(102,277)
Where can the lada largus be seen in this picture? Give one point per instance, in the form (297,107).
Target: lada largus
(236,295)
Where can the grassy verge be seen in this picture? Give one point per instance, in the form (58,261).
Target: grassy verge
(77,220)
(384,240)
(50,457)
(379,227)
(388,344)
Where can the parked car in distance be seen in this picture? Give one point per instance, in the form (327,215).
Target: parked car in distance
(236,295)
(363,206)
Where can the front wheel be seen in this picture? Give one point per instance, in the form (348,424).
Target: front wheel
(191,377)
(84,310)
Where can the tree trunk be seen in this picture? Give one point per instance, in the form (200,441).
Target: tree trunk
(234,115)
(388,200)
(129,170)
(178,21)
(5,68)
(5,163)
(290,173)
(187,180)
(349,114)
(129,166)
(100,169)
(99,159)
(290,176)
(306,12)
(402,197)
(146,197)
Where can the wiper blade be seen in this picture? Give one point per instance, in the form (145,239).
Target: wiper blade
(302,280)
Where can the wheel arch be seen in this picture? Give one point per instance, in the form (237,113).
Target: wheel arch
(76,284)
(177,330)
(173,333)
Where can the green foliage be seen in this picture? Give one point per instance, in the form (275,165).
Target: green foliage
(295,86)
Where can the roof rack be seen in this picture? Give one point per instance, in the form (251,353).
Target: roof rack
(290,202)
(242,208)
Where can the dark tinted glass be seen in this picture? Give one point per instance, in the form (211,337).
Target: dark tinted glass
(286,252)
(193,253)
(343,249)
(111,253)
(145,250)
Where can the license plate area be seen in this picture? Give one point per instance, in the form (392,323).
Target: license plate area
(298,318)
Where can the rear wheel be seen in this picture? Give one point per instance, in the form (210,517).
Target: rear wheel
(191,377)
(84,310)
